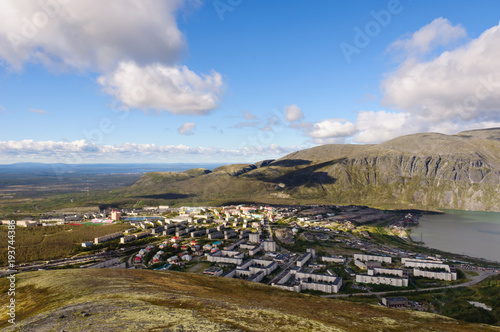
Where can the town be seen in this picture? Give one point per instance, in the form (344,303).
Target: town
(317,249)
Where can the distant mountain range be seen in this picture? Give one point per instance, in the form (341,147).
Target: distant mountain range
(426,171)
(48,169)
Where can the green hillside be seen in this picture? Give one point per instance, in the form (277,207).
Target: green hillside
(140,300)
(427,171)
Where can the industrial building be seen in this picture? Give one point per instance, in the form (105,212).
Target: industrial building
(395,302)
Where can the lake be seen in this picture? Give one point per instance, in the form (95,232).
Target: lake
(472,233)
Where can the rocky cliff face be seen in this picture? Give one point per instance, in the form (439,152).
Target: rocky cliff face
(418,180)
(422,171)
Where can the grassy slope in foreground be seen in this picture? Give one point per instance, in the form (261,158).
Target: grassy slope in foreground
(133,300)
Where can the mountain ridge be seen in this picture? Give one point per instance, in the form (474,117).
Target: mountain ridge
(428,170)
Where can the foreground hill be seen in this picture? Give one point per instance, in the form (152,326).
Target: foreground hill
(422,171)
(140,300)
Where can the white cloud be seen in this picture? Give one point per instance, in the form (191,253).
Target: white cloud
(462,85)
(89,34)
(457,90)
(83,35)
(293,113)
(33,110)
(375,127)
(369,127)
(173,88)
(332,129)
(439,32)
(381,126)
(187,128)
(85,152)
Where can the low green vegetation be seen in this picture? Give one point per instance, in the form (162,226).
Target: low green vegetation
(454,302)
(133,300)
(50,242)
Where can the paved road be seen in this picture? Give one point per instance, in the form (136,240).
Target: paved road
(477,279)
(129,262)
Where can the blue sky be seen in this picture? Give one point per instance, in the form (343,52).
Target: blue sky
(239,80)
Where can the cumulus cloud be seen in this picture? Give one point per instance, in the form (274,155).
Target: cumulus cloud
(89,34)
(369,127)
(173,88)
(375,127)
(83,152)
(293,113)
(331,130)
(380,126)
(439,32)
(458,85)
(187,128)
(456,90)
(33,110)
(82,35)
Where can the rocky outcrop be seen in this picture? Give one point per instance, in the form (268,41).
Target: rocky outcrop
(421,171)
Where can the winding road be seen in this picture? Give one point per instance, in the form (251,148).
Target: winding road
(477,279)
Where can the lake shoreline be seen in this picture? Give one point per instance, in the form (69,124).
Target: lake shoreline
(469,234)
